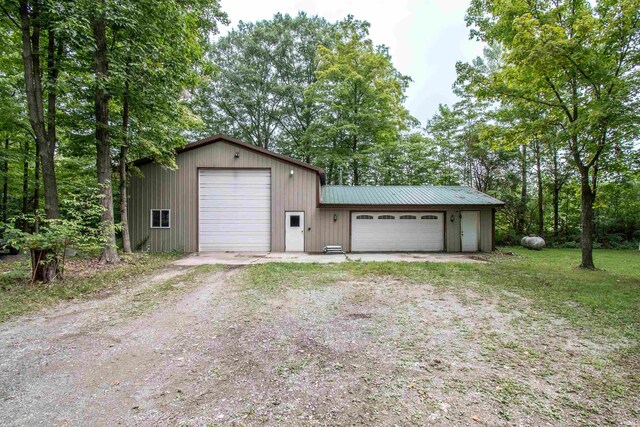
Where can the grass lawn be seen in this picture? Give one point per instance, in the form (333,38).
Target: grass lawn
(83,277)
(527,339)
(606,300)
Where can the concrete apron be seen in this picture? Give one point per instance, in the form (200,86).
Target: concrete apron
(246,258)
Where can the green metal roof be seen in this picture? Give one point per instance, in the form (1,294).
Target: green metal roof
(405,195)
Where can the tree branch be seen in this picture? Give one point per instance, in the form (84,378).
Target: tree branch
(559,98)
(8,15)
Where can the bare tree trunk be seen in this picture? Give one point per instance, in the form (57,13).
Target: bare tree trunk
(522,210)
(556,195)
(25,178)
(36,193)
(124,214)
(540,200)
(5,184)
(587,200)
(103,157)
(356,172)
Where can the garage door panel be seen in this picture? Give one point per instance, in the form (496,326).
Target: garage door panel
(397,234)
(234,210)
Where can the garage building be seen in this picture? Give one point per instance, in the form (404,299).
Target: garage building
(227,195)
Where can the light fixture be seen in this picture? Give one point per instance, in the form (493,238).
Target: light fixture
(237,155)
(291,173)
(335,217)
(453,218)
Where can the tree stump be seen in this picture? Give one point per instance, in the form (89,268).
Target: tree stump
(44,265)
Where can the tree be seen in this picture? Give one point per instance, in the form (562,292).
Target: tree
(150,73)
(571,59)
(361,96)
(262,71)
(31,19)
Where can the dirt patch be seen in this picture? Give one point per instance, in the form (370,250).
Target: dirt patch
(369,352)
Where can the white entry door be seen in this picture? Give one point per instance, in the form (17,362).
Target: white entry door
(470,226)
(234,210)
(294,231)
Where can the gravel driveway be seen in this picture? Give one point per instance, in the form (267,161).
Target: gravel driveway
(366,352)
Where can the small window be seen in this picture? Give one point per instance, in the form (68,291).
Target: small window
(364,217)
(407,217)
(429,217)
(386,217)
(294,221)
(160,218)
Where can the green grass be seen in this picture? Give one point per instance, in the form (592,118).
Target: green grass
(17,297)
(605,300)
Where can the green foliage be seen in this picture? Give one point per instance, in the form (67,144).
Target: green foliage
(361,96)
(79,228)
(261,73)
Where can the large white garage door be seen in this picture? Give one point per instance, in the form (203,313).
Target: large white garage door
(234,210)
(397,231)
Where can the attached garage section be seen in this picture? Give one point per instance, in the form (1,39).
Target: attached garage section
(397,231)
(234,210)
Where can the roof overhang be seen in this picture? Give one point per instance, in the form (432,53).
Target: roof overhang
(230,140)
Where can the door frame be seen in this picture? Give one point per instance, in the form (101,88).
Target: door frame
(477,228)
(271,193)
(304,233)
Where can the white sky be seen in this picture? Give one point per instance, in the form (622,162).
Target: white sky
(425,37)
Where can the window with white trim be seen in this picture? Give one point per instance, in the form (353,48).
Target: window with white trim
(160,218)
(407,217)
(386,217)
(429,217)
(364,217)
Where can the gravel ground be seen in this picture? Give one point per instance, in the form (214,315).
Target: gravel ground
(372,352)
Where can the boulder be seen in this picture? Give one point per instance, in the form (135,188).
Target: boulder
(70,252)
(532,242)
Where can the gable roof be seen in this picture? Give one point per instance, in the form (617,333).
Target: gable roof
(396,195)
(217,138)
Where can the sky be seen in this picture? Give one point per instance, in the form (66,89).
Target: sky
(425,38)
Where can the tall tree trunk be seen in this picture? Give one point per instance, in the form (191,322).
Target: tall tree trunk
(522,210)
(103,156)
(557,186)
(356,172)
(540,200)
(25,183)
(124,215)
(36,193)
(588,198)
(5,183)
(29,17)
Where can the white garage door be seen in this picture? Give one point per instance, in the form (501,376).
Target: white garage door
(234,210)
(397,231)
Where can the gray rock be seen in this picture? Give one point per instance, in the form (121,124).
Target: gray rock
(532,242)
(70,252)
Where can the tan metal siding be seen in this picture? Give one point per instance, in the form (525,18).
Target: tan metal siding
(162,188)
(177,190)
(330,232)
(485,230)
(453,231)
